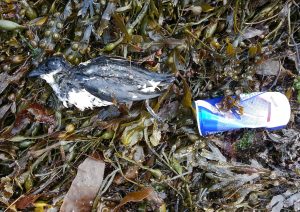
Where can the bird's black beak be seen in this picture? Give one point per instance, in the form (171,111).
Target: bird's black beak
(35,73)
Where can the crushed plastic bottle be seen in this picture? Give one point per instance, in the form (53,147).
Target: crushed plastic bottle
(270,110)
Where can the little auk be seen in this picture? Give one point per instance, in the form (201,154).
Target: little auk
(101,81)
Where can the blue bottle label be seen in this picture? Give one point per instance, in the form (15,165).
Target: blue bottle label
(248,111)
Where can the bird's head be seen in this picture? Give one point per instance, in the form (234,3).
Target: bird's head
(50,67)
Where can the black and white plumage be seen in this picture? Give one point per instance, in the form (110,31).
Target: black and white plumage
(100,81)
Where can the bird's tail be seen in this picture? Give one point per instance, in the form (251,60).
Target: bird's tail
(166,80)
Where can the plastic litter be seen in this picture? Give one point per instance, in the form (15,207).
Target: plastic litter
(270,110)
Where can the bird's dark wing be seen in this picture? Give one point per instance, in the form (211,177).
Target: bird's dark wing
(113,66)
(119,79)
(106,61)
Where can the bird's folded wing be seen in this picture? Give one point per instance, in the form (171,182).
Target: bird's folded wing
(121,80)
(110,89)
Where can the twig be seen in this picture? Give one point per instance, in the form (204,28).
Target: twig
(297,54)
(152,113)
(277,76)
(140,16)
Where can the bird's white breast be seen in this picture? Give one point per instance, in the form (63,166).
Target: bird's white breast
(82,99)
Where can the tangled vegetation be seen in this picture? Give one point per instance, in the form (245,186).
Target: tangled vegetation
(214,48)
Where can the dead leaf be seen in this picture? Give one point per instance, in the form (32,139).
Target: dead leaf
(156,135)
(34,112)
(10,25)
(168,111)
(138,196)
(251,32)
(38,21)
(41,114)
(293,200)
(276,203)
(206,7)
(269,67)
(39,152)
(13,42)
(230,50)
(120,23)
(252,51)
(27,201)
(21,123)
(85,186)
(187,98)
(130,173)
(4,109)
(106,16)
(196,10)
(6,79)
(133,132)
(6,190)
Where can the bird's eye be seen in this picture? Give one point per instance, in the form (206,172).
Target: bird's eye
(52,64)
